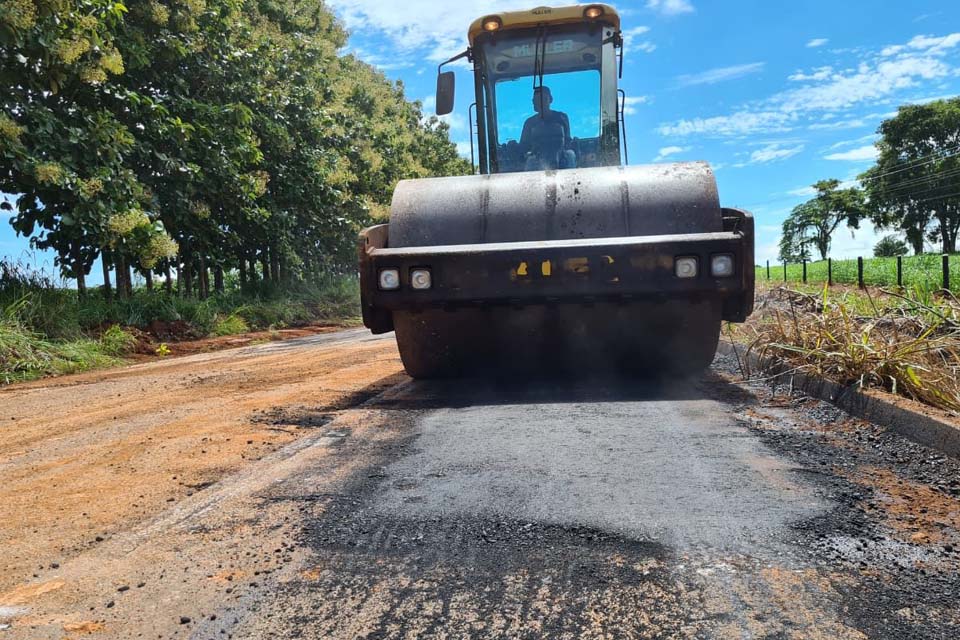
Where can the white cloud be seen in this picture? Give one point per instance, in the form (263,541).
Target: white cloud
(852,123)
(670,7)
(820,73)
(817,42)
(868,152)
(928,45)
(631,103)
(418,25)
(457,122)
(802,192)
(832,97)
(666,152)
(630,37)
(738,124)
(720,74)
(773,152)
(866,83)
(463,149)
(848,143)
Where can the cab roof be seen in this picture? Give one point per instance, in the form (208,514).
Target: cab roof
(545,16)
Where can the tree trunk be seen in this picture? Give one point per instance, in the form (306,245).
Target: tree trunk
(204,281)
(148,275)
(168,282)
(128,277)
(242,268)
(274,265)
(105,263)
(186,273)
(218,279)
(948,236)
(120,268)
(81,282)
(915,238)
(265,264)
(78,271)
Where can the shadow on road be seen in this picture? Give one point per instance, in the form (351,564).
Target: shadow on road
(545,388)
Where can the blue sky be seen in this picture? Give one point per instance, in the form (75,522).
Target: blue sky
(775,95)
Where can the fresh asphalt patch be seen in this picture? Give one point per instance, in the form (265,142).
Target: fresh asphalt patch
(691,509)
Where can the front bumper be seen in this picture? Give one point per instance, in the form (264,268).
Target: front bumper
(558,271)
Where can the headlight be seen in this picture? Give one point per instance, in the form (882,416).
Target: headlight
(721,265)
(389,279)
(420,279)
(685,267)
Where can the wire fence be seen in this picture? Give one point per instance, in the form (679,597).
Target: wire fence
(928,271)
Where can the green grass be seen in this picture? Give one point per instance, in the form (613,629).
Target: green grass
(230,325)
(47,330)
(923,271)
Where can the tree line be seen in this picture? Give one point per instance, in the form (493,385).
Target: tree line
(199,137)
(913,189)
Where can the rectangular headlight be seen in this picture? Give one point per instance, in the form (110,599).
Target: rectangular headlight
(721,265)
(420,279)
(389,279)
(686,267)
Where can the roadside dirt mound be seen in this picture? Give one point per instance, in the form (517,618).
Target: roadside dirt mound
(172,331)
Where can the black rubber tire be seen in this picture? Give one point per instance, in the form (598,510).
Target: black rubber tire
(638,339)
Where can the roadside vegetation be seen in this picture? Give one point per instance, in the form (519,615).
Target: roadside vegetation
(905,342)
(923,271)
(48,330)
(224,153)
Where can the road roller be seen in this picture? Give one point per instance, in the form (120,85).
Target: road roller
(556,254)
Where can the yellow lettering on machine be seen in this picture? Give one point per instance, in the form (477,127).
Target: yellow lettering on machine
(545,268)
(522,269)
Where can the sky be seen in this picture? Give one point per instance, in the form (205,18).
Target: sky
(774,95)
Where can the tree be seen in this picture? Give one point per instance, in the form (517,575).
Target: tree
(201,135)
(794,247)
(814,221)
(913,186)
(889,247)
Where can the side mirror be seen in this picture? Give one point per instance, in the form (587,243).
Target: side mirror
(446,83)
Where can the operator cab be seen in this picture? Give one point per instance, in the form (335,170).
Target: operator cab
(546,89)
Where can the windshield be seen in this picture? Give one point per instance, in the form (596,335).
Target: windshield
(547,103)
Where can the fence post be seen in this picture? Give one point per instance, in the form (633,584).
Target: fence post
(784,270)
(829,272)
(946,272)
(768,270)
(804,272)
(860,272)
(900,272)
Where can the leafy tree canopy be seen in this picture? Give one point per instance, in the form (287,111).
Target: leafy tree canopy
(200,133)
(914,186)
(813,222)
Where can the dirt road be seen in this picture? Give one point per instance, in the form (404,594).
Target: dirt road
(309,489)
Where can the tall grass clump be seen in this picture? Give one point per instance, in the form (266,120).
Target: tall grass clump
(907,343)
(25,354)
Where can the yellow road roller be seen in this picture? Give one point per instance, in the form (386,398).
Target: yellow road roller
(556,255)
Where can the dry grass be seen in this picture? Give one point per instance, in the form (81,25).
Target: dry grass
(907,343)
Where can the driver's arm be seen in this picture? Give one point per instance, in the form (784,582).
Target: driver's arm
(525,137)
(567,139)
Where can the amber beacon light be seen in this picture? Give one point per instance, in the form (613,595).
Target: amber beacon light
(492,23)
(593,12)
